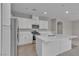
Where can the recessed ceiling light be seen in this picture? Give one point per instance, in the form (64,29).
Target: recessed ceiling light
(34,9)
(45,12)
(66,12)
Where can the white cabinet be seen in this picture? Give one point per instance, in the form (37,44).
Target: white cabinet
(35,21)
(43,24)
(52,46)
(25,23)
(65,45)
(25,38)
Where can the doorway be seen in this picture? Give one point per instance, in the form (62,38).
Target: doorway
(59,28)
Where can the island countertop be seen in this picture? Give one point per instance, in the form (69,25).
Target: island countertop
(49,38)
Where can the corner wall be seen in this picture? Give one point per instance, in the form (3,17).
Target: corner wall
(75,28)
(67,27)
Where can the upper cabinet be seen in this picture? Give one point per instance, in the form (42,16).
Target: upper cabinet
(43,24)
(25,23)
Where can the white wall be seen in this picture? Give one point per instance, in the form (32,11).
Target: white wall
(52,25)
(75,28)
(0,28)
(6,14)
(67,27)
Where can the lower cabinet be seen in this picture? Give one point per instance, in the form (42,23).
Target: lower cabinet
(65,45)
(25,38)
(52,47)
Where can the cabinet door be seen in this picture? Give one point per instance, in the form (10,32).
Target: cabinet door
(25,38)
(65,44)
(25,23)
(35,21)
(43,24)
(58,46)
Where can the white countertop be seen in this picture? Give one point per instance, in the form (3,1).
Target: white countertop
(50,38)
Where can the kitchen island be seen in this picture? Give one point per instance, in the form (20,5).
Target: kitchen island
(52,45)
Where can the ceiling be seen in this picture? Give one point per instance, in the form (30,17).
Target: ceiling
(53,10)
